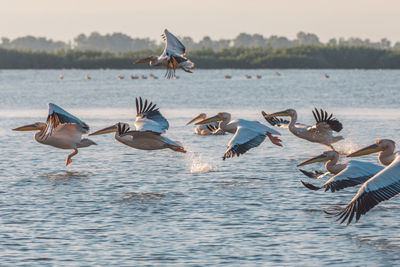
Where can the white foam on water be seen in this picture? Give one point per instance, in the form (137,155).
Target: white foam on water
(199,165)
(345,147)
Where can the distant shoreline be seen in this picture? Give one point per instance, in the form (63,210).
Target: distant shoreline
(300,57)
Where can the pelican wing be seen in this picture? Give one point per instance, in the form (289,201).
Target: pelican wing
(248,134)
(149,118)
(59,116)
(243,140)
(383,186)
(315,174)
(69,133)
(355,173)
(279,122)
(173,46)
(325,122)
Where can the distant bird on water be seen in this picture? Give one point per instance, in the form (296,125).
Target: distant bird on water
(173,56)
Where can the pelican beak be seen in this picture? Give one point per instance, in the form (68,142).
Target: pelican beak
(107,130)
(210,120)
(29,127)
(142,60)
(276,114)
(200,117)
(318,158)
(366,150)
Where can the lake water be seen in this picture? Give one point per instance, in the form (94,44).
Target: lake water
(117,205)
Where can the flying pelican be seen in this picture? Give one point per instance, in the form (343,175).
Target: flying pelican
(347,174)
(173,56)
(205,129)
(321,132)
(62,130)
(247,134)
(386,148)
(383,186)
(150,124)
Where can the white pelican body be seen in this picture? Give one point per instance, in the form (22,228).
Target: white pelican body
(207,129)
(346,174)
(321,132)
(173,56)
(150,124)
(382,186)
(62,130)
(247,134)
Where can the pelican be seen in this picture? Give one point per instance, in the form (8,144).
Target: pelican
(247,134)
(173,56)
(386,148)
(150,124)
(321,132)
(62,130)
(347,174)
(206,129)
(381,187)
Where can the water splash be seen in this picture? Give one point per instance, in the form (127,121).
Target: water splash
(198,165)
(345,147)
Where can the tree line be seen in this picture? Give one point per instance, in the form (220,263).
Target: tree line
(302,56)
(119,42)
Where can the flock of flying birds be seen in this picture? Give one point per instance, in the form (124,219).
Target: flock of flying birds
(379,183)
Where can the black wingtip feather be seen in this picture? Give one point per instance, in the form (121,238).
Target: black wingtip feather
(310,186)
(322,116)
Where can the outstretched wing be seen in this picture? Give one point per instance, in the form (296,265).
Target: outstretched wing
(315,174)
(243,140)
(325,122)
(355,173)
(279,122)
(173,45)
(149,118)
(59,116)
(383,186)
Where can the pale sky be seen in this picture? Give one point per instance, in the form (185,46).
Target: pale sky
(65,19)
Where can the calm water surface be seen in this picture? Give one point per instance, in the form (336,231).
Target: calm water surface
(117,205)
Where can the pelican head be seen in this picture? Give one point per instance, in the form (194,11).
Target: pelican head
(146,59)
(37,126)
(202,116)
(380,145)
(221,116)
(325,156)
(119,127)
(287,113)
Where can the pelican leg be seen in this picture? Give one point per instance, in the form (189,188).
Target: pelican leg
(178,149)
(186,69)
(69,160)
(275,140)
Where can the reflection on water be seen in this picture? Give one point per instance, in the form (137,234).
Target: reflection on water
(64,175)
(143,196)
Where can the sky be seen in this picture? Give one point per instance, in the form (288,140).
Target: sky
(65,19)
